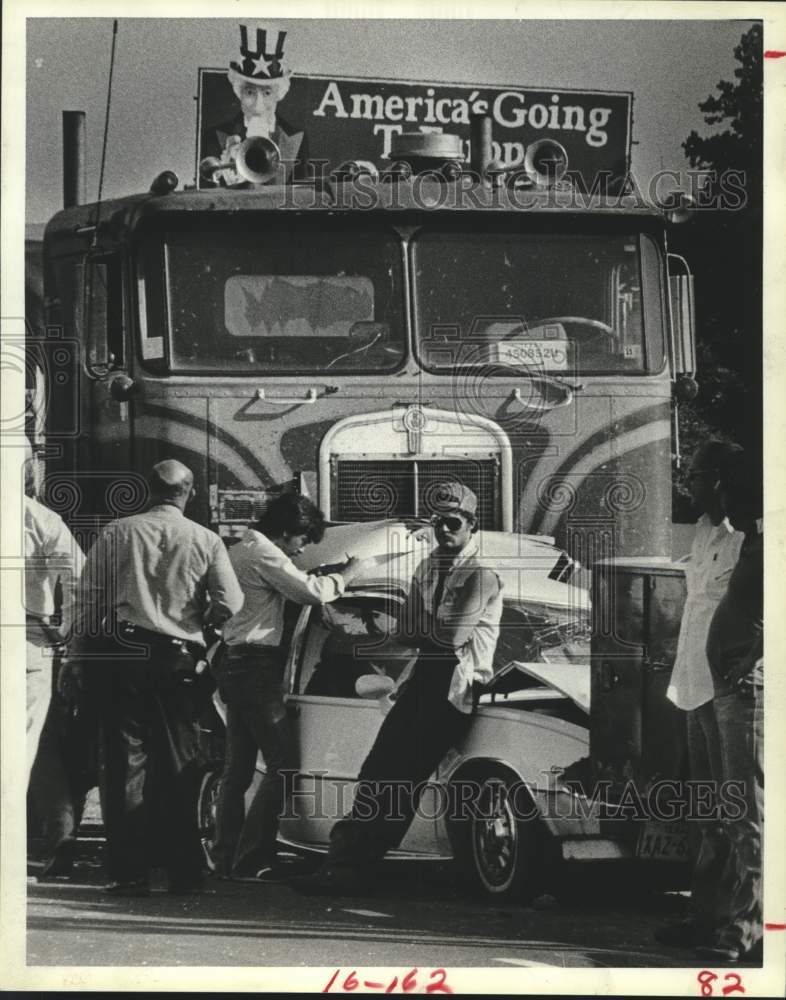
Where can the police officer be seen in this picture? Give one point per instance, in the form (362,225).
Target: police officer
(52,557)
(154,580)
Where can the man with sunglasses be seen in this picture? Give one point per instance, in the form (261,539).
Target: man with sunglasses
(452,616)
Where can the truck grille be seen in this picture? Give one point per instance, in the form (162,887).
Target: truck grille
(370,490)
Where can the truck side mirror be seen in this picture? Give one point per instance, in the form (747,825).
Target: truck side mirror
(683,336)
(98,312)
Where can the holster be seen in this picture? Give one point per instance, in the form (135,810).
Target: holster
(176,658)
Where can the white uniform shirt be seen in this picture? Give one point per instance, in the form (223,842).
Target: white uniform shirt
(712,557)
(51,554)
(269,578)
(158,570)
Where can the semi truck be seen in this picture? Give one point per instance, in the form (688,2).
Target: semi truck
(362,337)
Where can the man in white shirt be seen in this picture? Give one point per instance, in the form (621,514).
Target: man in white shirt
(52,557)
(150,584)
(452,616)
(714,553)
(249,672)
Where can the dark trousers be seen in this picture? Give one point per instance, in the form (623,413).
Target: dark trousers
(149,768)
(418,731)
(251,686)
(740,718)
(713,868)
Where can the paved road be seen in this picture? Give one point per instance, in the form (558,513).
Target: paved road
(417,916)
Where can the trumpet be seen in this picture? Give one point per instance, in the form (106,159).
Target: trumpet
(256,159)
(545,162)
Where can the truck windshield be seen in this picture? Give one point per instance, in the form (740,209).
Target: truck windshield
(284,299)
(509,301)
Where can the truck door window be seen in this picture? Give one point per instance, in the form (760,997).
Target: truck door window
(291,298)
(543,301)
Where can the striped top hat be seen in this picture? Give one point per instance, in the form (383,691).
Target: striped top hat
(258,65)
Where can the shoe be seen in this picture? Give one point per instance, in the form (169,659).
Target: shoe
(730,954)
(685,934)
(61,863)
(333,880)
(136,888)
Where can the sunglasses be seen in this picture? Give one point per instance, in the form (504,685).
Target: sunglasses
(446,521)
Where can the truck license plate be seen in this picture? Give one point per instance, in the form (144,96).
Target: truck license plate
(663,842)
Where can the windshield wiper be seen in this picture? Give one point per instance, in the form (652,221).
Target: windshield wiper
(567,388)
(561,382)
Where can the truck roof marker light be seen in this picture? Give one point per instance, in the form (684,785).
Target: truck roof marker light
(678,207)
(350,170)
(165,183)
(399,170)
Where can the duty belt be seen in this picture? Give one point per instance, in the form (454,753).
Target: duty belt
(161,641)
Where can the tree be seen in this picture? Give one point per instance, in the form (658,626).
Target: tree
(723,244)
(739,147)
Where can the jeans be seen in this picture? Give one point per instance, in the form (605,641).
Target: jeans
(713,869)
(250,685)
(418,731)
(740,719)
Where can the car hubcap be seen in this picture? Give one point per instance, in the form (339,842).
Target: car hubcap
(495,836)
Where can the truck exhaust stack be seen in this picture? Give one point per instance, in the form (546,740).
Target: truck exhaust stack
(73,158)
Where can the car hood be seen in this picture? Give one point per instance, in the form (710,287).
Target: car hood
(570,679)
(395,548)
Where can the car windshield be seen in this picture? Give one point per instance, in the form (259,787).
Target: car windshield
(344,641)
(535,301)
(298,299)
(340,645)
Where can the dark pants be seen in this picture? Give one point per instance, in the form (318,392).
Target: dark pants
(418,731)
(149,767)
(740,719)
(713,873)
(250,683)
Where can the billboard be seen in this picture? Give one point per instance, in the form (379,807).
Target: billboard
(340,118)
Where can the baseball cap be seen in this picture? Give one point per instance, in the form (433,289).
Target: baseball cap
(452,496)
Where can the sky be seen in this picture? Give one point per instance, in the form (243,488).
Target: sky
(668,65)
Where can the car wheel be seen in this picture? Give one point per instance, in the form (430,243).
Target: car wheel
(501,845)
(207,801)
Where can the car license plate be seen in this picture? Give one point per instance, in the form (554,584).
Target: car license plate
(663,842)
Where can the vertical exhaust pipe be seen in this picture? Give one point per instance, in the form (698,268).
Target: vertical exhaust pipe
(480,143)
(73,158)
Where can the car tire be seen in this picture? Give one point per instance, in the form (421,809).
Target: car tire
(501,854)
(207,799)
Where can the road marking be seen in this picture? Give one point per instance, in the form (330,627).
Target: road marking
(367,913)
